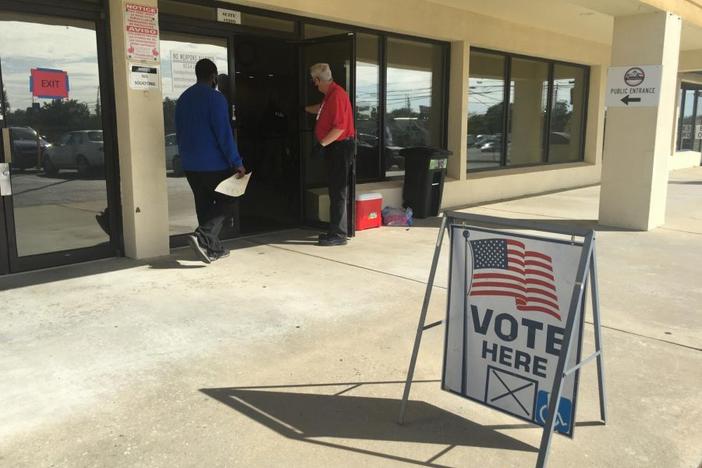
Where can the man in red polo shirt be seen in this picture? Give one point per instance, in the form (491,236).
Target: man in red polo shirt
(335,133)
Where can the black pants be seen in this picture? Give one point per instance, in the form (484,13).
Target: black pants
(213,208)
(338,157)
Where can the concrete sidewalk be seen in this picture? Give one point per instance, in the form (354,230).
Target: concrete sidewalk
(288,354)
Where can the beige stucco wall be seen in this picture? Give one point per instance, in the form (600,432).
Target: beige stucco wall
(690,60)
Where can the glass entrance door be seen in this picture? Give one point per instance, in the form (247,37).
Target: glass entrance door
(55,147)
(179,54)
(338,51)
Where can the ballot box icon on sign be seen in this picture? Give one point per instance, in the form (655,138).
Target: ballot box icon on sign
(511,392)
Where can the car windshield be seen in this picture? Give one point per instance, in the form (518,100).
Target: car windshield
(95,136)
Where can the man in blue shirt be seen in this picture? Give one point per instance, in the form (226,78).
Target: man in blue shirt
(209,155)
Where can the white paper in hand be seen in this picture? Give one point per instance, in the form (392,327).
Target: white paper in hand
(234,186)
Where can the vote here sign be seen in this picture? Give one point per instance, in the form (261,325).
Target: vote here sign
(509,301)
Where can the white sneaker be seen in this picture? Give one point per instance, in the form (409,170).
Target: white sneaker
(199,251)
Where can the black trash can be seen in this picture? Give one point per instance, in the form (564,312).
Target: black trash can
(425,170)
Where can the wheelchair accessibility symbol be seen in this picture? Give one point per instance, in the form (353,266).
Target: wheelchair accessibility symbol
(563,416)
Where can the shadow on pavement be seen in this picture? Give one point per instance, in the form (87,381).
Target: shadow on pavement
(307,416)
(170,263)
(97,267)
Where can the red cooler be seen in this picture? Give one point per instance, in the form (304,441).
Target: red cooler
(368,208)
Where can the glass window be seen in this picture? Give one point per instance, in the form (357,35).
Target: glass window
(367,104)
(23,134)
(527,113)
(61,188)
(486,91)
(95,136)
(414,99)
(697,136)
(567,113)
(687,119)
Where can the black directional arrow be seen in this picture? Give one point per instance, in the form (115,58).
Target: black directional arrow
(627,99)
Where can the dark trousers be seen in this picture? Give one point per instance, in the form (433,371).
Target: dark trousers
(213,208)
(338,157)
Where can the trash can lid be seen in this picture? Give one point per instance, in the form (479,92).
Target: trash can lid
(430,152)
(369,196)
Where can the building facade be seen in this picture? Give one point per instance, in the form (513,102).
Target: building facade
(522,93)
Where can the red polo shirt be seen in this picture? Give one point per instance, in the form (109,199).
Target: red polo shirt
(336,112)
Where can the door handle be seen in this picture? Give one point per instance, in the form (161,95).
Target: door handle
(5,182)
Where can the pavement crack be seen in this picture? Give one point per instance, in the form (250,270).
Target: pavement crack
(693,348)
(681,230)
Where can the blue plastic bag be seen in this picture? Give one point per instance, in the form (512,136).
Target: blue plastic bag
(396,216)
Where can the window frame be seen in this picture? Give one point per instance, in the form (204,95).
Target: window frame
(546,138)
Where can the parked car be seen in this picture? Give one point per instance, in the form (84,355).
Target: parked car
(172,157)
(491,145)
(28,147)
(81,150)
(560,138)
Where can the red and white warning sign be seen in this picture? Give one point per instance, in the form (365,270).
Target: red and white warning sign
(142,35)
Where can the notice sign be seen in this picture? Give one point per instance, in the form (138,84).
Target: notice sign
(228,16)
(183,69)
(48,84)
(509,302)
(143,77)
(142,37)
(635,86)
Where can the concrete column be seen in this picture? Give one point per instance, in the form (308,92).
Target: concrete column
(594,132)
(527,121)
(458,110)
(140,134)
(638,140)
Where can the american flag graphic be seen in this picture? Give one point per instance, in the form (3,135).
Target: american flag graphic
(503,267)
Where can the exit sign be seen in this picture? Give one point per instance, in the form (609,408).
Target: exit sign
(48,84)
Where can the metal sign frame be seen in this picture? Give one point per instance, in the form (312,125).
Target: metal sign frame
(586,273)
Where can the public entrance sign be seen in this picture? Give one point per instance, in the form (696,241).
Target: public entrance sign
(509,303)
(47,83)
(514,322)
(142,34)
(633,86)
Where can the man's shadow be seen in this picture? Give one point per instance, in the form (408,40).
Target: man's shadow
(307,417)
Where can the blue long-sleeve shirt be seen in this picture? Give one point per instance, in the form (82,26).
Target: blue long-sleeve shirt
(205,140)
